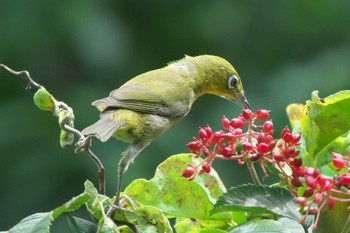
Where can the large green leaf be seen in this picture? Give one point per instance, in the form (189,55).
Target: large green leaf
(259,200)
(79,225)
(324,125)
(283,225)
(72,205)
(176,196)
(39,222)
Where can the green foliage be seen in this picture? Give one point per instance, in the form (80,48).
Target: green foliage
(324,124)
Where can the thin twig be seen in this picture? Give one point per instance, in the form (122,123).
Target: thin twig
(84,143)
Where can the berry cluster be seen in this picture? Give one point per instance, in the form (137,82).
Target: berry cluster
(257,145)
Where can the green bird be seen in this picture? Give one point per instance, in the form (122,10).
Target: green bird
(149,104)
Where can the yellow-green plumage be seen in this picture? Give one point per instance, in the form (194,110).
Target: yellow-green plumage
(149,104)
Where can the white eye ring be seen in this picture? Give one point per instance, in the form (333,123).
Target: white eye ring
(232,82)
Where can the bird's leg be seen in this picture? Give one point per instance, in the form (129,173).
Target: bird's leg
(128,157)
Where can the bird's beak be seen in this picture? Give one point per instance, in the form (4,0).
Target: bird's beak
(242,100)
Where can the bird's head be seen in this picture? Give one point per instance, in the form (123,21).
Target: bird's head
(217,76)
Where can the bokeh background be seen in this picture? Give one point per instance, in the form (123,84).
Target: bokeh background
(81,50)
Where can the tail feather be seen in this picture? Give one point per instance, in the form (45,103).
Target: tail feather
(103,129)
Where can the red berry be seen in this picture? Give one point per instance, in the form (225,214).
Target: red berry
(268,127)
(254,157)
(203,134)
(237,123)
(339,163)
(331,203)
(302,201)
(263,148)
(308,192)
(272,144)
(299,171)
(225,122)
(296,138)
(278,157)
(208,131)
(296,182)
(345,178)
(285,130)
(194,146)
(206,168)
(247,145)
(317,198)
(297,162)
(188,172)
(247,114)
(262,114)
(217,137)
(311,181)
(288,137)
(226,151)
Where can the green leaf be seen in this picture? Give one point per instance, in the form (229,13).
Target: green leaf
(324,125)
(39,222)
(79,225)
(283,225)
(151,219)
(72,205)
(176,196)
(259,199)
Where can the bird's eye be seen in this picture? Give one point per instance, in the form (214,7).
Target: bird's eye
(232,82)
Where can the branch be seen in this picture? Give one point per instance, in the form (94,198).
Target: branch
(46,102)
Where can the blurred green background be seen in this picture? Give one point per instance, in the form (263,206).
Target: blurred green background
(81,50)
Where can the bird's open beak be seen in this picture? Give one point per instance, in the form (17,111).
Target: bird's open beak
(242,100)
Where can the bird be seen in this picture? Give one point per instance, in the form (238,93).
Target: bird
(149,104)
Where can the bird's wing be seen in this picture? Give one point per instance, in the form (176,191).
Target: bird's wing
(138,98)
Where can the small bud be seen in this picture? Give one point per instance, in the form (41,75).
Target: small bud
(247,114)
(262,114)
(188,172)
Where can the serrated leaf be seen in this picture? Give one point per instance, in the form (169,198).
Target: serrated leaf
(39,222)
(283,225)
(79,225)
(72,205)
(259,199)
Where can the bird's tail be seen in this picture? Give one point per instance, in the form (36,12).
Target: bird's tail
(104,128)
